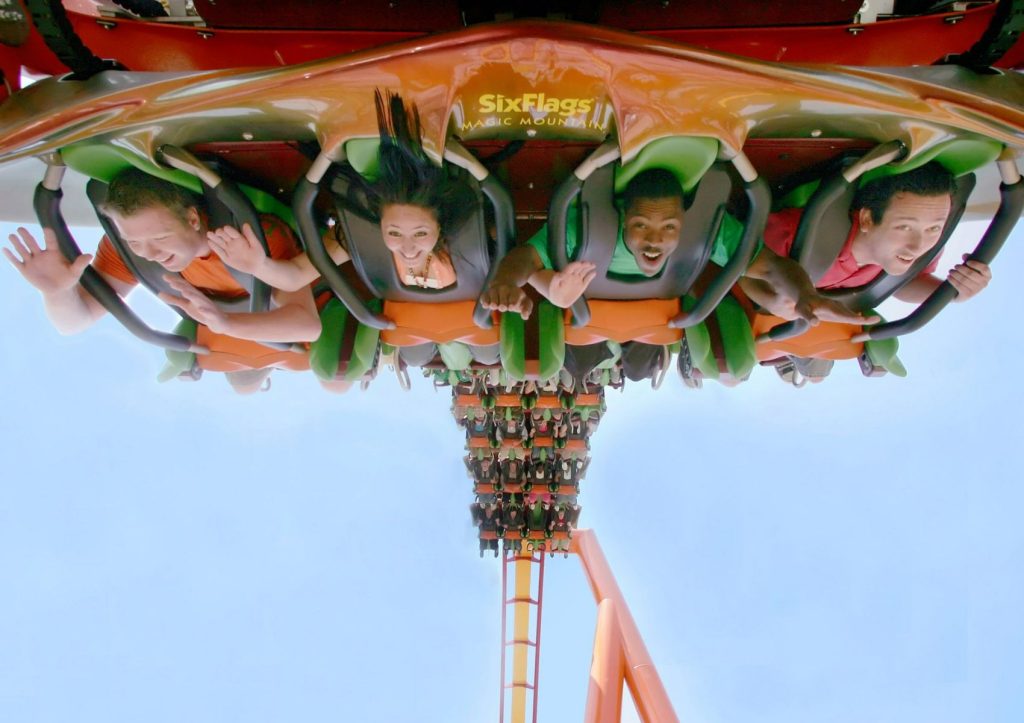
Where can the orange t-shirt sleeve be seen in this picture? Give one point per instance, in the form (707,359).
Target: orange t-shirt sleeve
(109,263)
(281,242)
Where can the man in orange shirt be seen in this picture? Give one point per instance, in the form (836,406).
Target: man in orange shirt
(162,222)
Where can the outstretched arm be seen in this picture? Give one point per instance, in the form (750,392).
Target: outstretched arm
(523,266)
(782,287)
(69,307)
(505,292)
(241,250)
(968,278)
(563,288)
(294,318)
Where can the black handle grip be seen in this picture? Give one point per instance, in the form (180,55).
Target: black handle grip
(47,207)
(786,331)
(505,227)
(242,209)
(302,206)
(759,198)
(557,217)
(1011,203)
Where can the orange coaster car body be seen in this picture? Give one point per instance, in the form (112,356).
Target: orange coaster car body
(622,321)
(827,340)
(228,354)
(439,323)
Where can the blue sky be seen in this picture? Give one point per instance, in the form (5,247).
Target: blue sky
(845,552)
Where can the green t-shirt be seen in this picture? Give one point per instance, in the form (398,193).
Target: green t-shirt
(730,232)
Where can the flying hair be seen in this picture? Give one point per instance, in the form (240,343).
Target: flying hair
(407,175)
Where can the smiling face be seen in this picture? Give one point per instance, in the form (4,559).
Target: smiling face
(910,227)
(157,234)
(651,231)
(410,233)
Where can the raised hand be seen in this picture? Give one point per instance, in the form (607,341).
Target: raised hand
(969,278)
(196,304)
(241,250)
(45,268)
(507,297)
(816,308)
(568,285)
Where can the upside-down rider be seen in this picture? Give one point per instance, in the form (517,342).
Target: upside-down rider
(163,222)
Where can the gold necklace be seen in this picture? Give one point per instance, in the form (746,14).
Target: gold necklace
(422,279)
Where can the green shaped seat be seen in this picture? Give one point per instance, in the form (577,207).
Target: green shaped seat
(551,342)
(325,354)
(738,343)
(179,362)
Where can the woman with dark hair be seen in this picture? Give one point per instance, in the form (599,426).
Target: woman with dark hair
(417,204)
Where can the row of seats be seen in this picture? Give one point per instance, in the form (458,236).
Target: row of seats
(691,310)
(541,473)
(527,426)
(532,523)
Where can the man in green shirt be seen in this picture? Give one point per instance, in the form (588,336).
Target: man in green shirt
(649,231)
(648,234)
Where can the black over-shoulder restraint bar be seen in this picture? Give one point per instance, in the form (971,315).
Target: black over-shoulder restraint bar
(226,205)
(47,207)
(1011,204)
(826,224)
(598,233)
(469,245)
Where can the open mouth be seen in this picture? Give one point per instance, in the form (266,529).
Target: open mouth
(651,261)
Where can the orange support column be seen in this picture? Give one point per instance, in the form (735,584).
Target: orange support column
(649,695)
(607,669)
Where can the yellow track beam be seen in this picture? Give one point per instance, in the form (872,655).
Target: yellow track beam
(521,633)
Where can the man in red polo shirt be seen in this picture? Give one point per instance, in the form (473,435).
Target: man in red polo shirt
(162,222)
(896,220)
